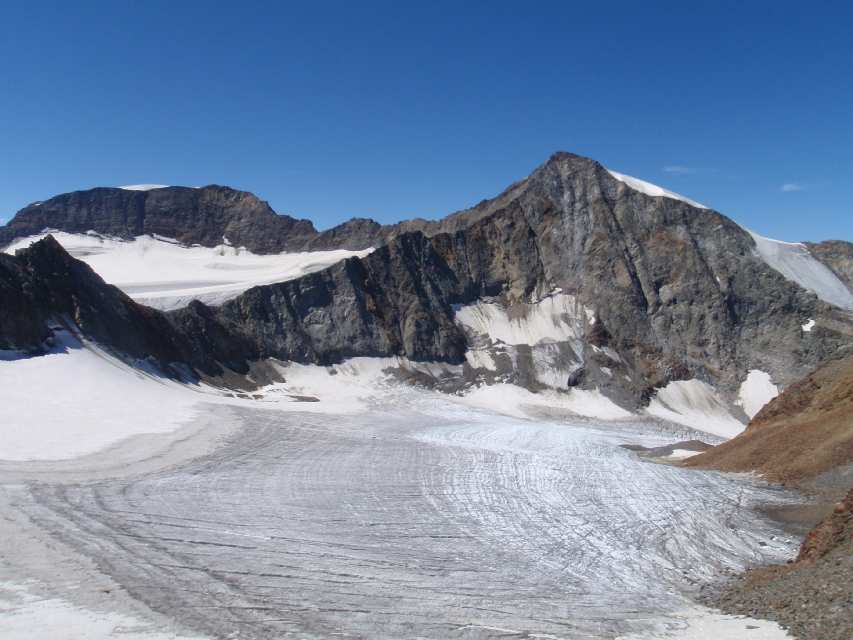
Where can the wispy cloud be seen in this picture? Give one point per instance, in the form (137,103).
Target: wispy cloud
(790,187)
(679,169)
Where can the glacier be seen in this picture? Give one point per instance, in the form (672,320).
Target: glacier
(342,501)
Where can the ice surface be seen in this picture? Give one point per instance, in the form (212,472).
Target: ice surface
(165,274)
(695,404)
(512,400)
(652,189)
(380,510)
(756,391)
(24,616)
(418,518)
(793,260)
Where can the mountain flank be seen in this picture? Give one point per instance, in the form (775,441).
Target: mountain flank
(646,290)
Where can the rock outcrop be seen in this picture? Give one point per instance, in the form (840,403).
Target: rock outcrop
(42,287)
(207,216)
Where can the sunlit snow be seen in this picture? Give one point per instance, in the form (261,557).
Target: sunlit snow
(756,391)
(695,404)
(512,400)
(793,260)
(78,399)
(652,189)
(554,318)
(143,187)
(165,274)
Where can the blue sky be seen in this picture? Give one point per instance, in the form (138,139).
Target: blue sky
(337,110)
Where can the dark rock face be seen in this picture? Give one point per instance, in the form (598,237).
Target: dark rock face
(193,216)
(43,285)
(676,291)
(396,301)
(204,216)
(838,256)
(355,234)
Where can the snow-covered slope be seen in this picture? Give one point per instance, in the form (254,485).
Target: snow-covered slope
(652,189)
(793,260)
(695,404)
(78,399)
(555,318)
(165,274)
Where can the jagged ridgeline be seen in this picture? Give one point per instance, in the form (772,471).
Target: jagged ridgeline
(574,276)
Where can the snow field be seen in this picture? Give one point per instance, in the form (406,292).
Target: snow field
(793,260)
(78,399)
(558,317)
(695,404)
(756,391)
(165,274)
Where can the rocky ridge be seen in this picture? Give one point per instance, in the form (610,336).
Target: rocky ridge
(206,216)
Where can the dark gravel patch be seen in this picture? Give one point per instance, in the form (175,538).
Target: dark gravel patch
(812,596)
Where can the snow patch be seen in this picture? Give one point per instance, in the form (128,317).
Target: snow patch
(808,326)
(652,189)
(162,273)
(682,454)
(701,623)
(143,187)
(350,387)
(756,391)
(695,404)
(480,359)
(555,318)
(793,260)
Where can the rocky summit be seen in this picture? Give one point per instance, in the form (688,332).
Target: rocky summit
(571,278)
